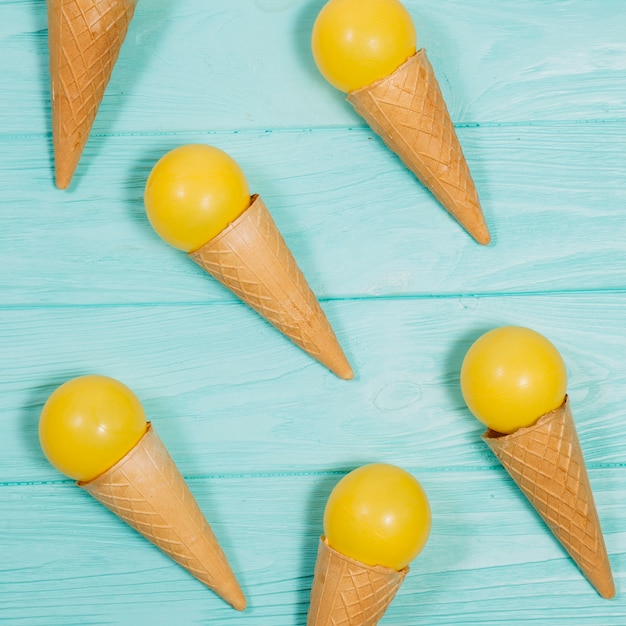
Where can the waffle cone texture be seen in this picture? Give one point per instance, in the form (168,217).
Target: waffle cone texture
(148,492)
(409,113)
(346,592)
(546,462)
(251,258)
(84,41)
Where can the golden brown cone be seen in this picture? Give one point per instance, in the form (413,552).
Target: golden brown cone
(251,258)
(346,592)
(546,462)
(409,113)
(148,492)
(84,40)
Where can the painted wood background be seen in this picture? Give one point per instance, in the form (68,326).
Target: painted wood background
(537,89)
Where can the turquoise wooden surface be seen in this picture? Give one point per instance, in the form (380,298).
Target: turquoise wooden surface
(537,89)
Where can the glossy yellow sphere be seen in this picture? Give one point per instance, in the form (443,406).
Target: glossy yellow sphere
(511,376)
(357,42)
(88,424)
(192,194)
(378,514)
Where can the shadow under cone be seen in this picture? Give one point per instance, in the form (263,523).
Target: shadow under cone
(251,258)
(148,492)
(84,40)
(409,113)
(346,592)
(546,462)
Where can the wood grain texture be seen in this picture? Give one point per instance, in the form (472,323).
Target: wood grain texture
(70,561)
(231,395)
(537,90)
(188,65)
(357,221)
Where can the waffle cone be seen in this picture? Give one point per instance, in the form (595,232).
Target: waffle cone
(84,40)
(251,258)
(349,593)
(408,111)
(546,462)
(148,492)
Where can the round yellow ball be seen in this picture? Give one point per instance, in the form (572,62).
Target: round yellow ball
(511,376)
(88,424)
(378,514)
(357,42)
(192,194)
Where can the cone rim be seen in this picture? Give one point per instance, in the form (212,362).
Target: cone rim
(121,462)
(255,197)
(381,569)
(491,434)
(378,81)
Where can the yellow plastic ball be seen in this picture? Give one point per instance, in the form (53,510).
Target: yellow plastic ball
(88,424)
(511,376)
(192,194)
(378,514)
(357,42)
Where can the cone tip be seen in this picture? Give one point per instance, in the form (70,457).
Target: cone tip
(66,157)
(332,358)
(479,232)
(604,583)
(343,370)
(235,598)
(65,164)
(483,238)
(63,180)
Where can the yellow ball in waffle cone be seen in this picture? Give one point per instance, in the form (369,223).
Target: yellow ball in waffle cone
(84,41)
(376,521)
(514,381)
(94,430)
(367,48)
(197,200)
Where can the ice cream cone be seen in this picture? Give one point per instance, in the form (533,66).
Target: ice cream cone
(546,462)
(251,258)
(84,39)
(349,593)
(148,492)
(408,111)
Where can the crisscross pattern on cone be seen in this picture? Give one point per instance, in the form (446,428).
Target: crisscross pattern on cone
(546,462)
(148,492)
(84,40)
(251,258)
(346,592)
(409,113)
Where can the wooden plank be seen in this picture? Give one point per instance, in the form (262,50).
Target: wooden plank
(537,90)
(489,559)
(229,394)
(191,65)
(553,196)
